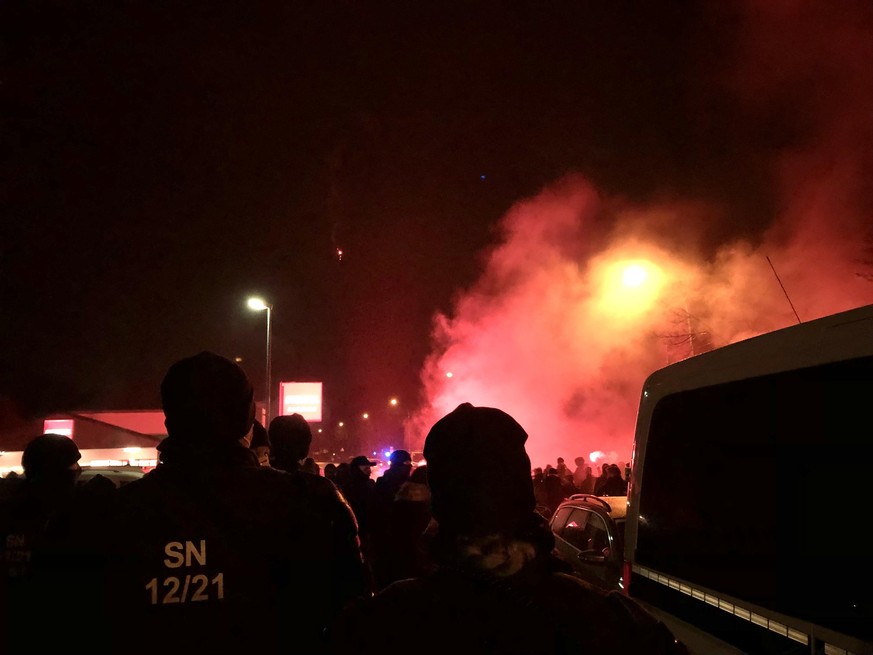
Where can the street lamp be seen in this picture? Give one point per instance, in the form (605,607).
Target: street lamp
(258,305)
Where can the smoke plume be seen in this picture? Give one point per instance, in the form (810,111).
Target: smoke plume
(586,294)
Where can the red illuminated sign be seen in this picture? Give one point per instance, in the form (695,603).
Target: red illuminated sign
(62,426)
(302,398)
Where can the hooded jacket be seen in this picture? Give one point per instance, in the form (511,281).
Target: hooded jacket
(540,610)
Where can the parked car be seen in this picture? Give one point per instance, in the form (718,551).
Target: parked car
(119,475)
(589,537)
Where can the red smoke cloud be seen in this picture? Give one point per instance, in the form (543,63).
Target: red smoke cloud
(550,333)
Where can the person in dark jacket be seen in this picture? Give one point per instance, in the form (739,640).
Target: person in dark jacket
(47,565)
(399,469)
(614,485)
(402,551)
(358,487)
(211,552)
(387,486)
(384,531)
(554,490)
(496,587)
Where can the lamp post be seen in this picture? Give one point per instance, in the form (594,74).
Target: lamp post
(258,305)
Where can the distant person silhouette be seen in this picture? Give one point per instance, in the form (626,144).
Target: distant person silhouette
(538,479)
(614,485)
(387,484)
(563,470)
(381,515)
(310,466)
(579,473)
(600,480)
(213,553)
(402,548)
(358,487)
(260,444)
(555,491)
(586,485)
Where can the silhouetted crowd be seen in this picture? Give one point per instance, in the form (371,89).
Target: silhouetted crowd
(554,484)
(236,542)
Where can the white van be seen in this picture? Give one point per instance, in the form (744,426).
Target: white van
(751,490)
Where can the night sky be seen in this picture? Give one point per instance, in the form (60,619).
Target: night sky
(161,161)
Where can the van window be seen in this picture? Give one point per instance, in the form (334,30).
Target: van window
(761,489)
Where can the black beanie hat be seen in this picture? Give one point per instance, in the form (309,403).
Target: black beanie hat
(400,457)
(479,472)
(290,435)
(207,398)
(49,454)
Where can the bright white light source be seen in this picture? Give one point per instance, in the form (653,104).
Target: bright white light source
(634,275)
(629,288)
(257,304)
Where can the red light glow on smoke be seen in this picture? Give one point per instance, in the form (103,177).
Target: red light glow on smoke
(563,341)
(585,294)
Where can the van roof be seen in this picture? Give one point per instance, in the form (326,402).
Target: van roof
(837,337)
